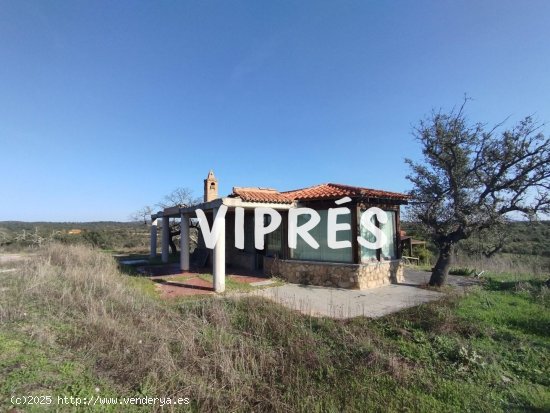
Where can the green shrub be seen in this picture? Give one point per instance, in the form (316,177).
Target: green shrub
(97,239)
(424,254)
(461,271)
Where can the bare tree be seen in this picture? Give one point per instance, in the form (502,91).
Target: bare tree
(142,214)
(472,179)
(178,197)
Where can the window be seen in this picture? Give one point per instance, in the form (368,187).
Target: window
(274,241)
(304,252)
(367,254)
(249,233)
(389,250)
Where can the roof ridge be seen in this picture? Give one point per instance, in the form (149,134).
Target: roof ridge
(307,187)
(364,187)
(255,188)
(320,191)
(260,194)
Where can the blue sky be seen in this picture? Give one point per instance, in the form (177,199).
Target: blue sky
(107,106)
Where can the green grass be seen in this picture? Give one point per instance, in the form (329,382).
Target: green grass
(30,368)
(514,277)
(231,285)
(76,323)
(515,318)
(486,351)
(145,285)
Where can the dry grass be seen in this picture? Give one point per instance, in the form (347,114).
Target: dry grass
(85,303)
(223,354)
(246,354)
(504,263)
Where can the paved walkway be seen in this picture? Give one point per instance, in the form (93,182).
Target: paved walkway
(375,302)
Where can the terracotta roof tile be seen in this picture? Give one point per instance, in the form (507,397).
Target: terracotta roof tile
(323,191)
(261,195)
(330,191)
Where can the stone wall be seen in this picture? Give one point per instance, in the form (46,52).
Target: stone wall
(326,274)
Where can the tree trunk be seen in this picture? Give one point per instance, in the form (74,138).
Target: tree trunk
(173,245)
(442,266)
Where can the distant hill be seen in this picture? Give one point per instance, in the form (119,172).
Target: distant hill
(102,234)
(527,238)
(20,225)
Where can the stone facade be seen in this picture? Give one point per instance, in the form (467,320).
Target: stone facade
(328,274)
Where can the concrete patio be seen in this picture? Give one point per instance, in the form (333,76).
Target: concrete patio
(338,303)
(343,303)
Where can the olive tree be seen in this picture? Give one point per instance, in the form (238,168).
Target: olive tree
(472,178)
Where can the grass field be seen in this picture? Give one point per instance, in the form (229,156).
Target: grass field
(73,325)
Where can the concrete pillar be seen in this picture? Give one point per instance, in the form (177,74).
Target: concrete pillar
(219,259)
(153,249)
(165,239)
(184,242)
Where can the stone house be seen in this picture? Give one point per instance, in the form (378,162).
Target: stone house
(354,267)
